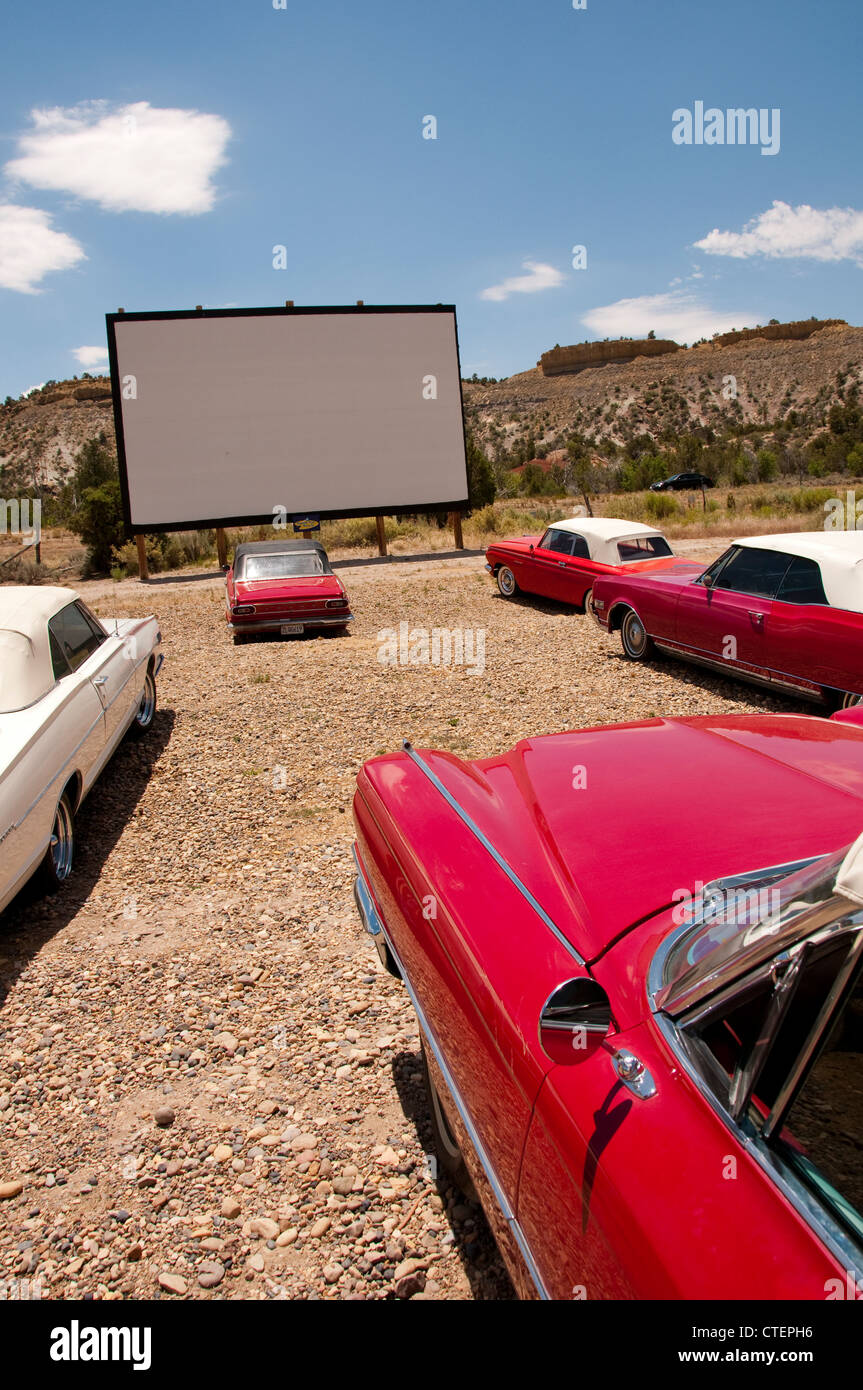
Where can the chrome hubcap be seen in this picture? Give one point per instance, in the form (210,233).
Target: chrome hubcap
(148,703)
(61,842)
(635,635)
(506,582)
(849,700)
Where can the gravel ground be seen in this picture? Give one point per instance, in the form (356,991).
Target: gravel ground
(208,1086)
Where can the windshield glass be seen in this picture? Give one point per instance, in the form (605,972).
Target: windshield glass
(744,915)
(305,562)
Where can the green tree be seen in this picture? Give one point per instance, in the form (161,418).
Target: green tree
(99,523)
(480,475)
(580,471)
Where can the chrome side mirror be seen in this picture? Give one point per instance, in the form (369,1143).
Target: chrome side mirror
(575,1021)
(706,580)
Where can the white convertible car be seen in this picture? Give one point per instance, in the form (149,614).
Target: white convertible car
(70,688)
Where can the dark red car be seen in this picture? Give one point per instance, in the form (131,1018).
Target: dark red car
(641,1016)
(785,611)
(284,587)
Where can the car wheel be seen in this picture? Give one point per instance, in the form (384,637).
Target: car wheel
(446,1147)
(849,699)
(239,639)
(633,635)
(146,711)
(60,854)
(588,604)
(506,581)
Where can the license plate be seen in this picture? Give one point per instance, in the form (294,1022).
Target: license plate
(291,629)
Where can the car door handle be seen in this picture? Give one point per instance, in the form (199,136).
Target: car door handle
(100,680)
(562,564)
(756,617)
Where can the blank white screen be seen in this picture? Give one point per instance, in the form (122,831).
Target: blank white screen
(324,412)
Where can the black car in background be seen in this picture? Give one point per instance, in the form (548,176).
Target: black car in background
(680,482)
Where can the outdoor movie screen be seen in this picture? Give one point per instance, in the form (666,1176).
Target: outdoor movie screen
(234,416)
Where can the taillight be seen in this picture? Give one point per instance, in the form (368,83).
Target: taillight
(337,603)
(240,609)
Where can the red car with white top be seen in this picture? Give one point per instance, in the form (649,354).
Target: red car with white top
(284,587)
(785,611)
(565,561)
(642,1024)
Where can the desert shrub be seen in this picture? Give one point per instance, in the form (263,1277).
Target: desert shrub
(659,506)
(485,519)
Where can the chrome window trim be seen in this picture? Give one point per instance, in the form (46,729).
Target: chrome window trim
(499,1195)
(814,1042)
(661,992)
(828,1231)
(498,858)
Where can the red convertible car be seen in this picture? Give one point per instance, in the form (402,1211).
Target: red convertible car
(285,587)
(565,561)
(784,611)
(646,1063)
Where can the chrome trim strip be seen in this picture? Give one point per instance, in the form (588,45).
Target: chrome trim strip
(494,1183)
(820,1222)
(800,685)
(495,854)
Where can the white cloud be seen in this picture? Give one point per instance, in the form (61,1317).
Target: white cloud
(91,356)
(134,158)
(31,389)
(679,315)
(30,248)
(783,232)
(539,277)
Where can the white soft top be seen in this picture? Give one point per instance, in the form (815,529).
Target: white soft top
(602,534)
(839,555)
(26,672)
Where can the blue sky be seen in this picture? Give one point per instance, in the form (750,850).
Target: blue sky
(152,156)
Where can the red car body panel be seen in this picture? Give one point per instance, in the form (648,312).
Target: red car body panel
(802,647)
(566,578)
(614,1196)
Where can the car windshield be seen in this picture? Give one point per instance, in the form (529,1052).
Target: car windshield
(643,548)
(286,566)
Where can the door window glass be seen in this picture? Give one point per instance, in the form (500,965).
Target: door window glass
(757,572)
(75,634)
(802,583)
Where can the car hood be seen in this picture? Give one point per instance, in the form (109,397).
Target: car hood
(605,825)
(298,586)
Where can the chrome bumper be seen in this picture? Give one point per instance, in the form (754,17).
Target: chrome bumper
(370,917)
(489,567)
(273,624)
